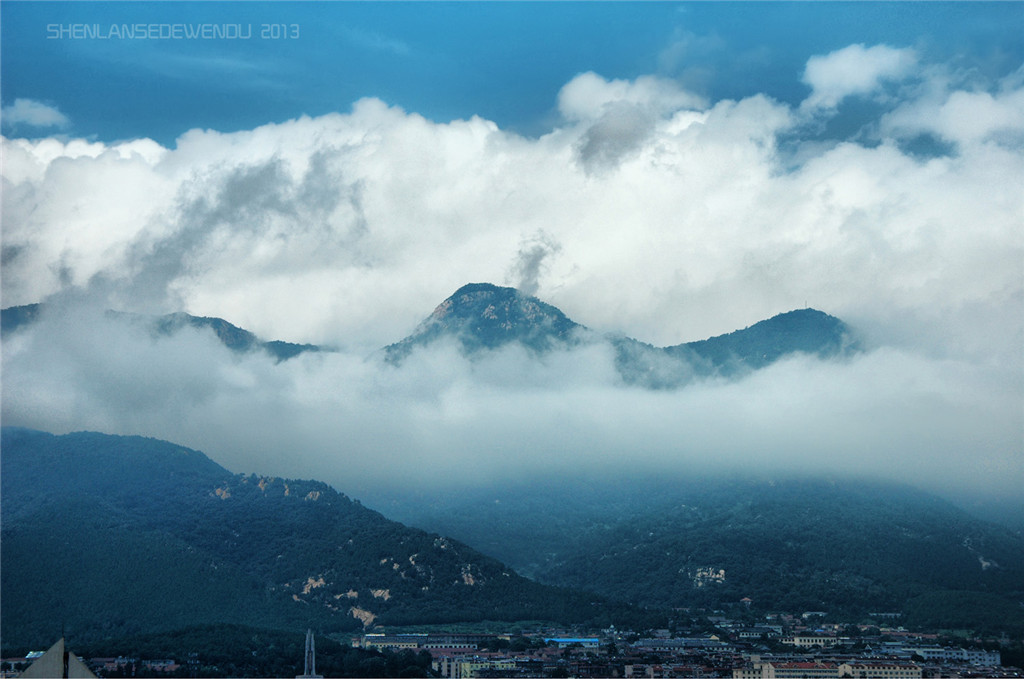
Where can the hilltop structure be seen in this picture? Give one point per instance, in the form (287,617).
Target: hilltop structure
(309,670)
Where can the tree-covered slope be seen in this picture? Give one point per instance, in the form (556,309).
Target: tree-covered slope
(112,535)
(807,331)
(788,544)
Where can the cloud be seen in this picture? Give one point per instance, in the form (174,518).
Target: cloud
(588,96)
(73,211)
(31,113)
(686,48)
(333,229)
(621,130)
(529,265)
(618,115)
(854,71)
(444,422)
(646,212)
(963,116)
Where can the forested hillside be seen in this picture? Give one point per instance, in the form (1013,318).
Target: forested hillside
(111,535)
(788,544)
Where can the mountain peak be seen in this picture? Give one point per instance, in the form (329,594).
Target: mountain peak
(470,288)
(807,331)
(486,316)
(481,316)
(476,299)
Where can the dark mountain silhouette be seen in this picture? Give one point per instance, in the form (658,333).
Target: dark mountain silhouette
(843,545)
(806,331)
(482,316)
(115,535)
(15,317)
(237,339)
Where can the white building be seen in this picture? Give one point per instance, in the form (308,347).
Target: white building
(972,656)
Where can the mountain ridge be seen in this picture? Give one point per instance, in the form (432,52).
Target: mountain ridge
(787,542)
(482,317)
(133,534)
(238,340)
(486,316)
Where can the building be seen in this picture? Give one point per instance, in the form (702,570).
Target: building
(566,642)
(394,642)
(880,670)
(678,645)
(971,656)
(465,668)
(787,670)
(811,640)
(398,642)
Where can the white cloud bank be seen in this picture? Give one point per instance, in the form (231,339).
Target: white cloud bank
(855,70)
(31,113)
(648,212)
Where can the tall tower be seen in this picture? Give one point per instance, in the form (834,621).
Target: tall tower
(309,671)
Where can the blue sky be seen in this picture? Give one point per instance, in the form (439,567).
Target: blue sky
(503,61)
